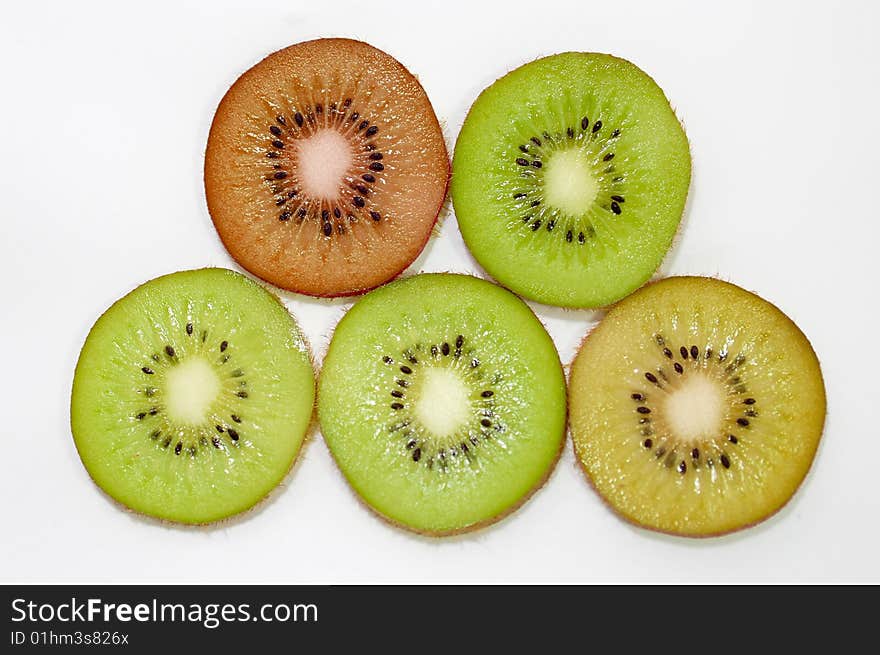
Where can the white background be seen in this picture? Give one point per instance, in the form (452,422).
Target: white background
(103,120)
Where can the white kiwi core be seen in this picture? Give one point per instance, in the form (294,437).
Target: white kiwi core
(696,408)
(323,160)
(443,405)
(191,388)
(569,184)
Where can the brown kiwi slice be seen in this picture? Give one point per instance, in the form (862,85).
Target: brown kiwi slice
(326,168)
(696,407)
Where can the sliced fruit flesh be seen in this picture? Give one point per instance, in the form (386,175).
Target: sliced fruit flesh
(696,407)
(192,396)
(571,175)
(443,401)
(326,168)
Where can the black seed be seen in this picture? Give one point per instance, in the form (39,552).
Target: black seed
(327,229)
(232,434)
(619,178)
(358,201)
(167,442)
(522,161)
(535,203)
(361,189)
(147,370)
(154,411)
(242,394)
(216,442)
(387,359)
(695,453)
(527,218)
(551,225)
(223,346)
(742,421)
(678,367)
(298,118)
(435,351)
(274,129)
(695,352)
(280,175)
(682,467)
(647,443)
(667,352)
(615,208)
(235,418)
(569,236)
(367,177)
(684,352)
(536,225)
(319,109)
(417,454)
(204,335)
(570,133)
(155,434)
(178,448)
(597,126)
(617,198)
(445,348)
(615,134)
(189,328)
(524,149)
(585,122)
(405,369)
(272,154)
(396,406)
(581,237)
(608,157)
(280,202)
(637,396)
(402,383)
(149,391)
(362,125)
(169,351)
(397,394)
(486,423)
(325,214)
(536,141)
(376,216)
(140,416)
(749,401)
(732,438)
(643,410)
(376,156)
(410,444)
(371,131)
(725,462)
(650,377)
(487,393)
(285,215)
(278,144)
(536,164)
(292,194)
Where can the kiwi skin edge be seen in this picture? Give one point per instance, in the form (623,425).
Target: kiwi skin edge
(479,525)
(354,292)
(238,516)
(708,535)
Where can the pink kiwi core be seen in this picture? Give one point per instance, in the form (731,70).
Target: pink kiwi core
(323,160)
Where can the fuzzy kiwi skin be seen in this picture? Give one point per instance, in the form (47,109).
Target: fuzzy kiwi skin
(712,534)
(259,502)
(227,239)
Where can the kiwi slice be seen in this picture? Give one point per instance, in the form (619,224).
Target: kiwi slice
(696,407)
(442,400)
(571,175)
(326,168)
(192,396)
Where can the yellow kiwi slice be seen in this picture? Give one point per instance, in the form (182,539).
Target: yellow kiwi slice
(696,407)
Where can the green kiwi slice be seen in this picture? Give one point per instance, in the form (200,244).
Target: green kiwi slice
(192,396)
(570,177)
(442,399)
(696,407)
